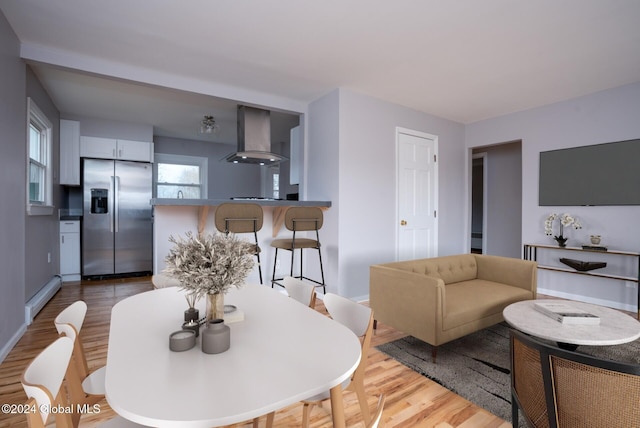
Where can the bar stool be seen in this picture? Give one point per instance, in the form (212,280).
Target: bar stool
(300,219)
(241,218)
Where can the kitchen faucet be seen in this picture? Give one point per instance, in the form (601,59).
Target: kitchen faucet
(180,195)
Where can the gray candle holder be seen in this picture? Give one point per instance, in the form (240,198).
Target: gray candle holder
(182,340)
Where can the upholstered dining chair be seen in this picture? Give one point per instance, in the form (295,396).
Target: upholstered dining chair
(359,319)
(42,381)
(558,388)
(301,291)
(241,218)
(69,322)
(300,219)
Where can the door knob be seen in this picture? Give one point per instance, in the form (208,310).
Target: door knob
(403,222)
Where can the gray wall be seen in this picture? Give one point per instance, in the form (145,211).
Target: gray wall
(606,116)
(41,232)
(356,170)
(504,200)
(12,188)
(95,127)
(225,179)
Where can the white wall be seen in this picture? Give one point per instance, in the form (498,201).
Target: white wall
(359,177)
(321,181)
(602,117)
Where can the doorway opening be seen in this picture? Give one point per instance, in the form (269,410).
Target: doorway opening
(478,202)
(496,199)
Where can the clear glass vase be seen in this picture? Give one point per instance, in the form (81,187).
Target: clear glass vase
(215,306)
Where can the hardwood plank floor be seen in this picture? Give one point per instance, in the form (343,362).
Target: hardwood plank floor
(412,399)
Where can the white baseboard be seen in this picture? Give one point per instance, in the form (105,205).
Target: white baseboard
(579,298)
(73,277)
(4,351)
(37,302)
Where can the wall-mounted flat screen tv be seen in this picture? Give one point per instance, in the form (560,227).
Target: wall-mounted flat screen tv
(602,174)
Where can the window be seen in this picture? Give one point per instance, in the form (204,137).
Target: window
(178,176)
(39,168)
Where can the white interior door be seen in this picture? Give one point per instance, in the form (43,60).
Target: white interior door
(417,227)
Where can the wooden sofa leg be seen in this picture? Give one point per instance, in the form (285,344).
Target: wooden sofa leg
(375,324)
(434,351)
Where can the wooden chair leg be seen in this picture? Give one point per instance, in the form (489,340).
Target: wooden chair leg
(362,399)
(306,411)
(270,417)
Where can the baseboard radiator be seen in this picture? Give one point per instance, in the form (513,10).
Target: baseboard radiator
(37,302)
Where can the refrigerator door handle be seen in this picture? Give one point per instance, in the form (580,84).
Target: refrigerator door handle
(111,202)
(116,204)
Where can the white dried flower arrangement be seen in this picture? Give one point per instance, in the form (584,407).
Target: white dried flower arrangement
(209,264)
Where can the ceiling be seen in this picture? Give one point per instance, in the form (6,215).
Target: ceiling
(463,60)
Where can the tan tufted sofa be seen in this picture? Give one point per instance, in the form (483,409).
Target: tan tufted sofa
(441,299)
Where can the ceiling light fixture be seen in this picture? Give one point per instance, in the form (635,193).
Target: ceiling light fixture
(209,126)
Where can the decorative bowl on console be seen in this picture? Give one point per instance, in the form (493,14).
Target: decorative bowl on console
(581,266)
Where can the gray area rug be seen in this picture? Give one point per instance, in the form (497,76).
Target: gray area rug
(477,366)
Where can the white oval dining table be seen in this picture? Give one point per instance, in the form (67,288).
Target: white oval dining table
(281,353)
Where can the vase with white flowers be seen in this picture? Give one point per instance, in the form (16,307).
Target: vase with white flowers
(566,220)
(208,265)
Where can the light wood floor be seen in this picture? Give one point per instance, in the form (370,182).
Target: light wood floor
(412,399)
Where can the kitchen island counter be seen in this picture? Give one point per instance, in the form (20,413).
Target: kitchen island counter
(175,217)
(215,202)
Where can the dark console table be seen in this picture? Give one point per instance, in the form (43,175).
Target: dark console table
(531,253)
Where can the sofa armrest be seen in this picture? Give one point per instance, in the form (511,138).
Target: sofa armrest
(510,271)
(405,300)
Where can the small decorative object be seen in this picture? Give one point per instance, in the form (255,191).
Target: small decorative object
(191,314)
(209,265)
(182,340)
(192,325)
(594,248)
(581,266)
(216,338)
(565,220)
(595,239)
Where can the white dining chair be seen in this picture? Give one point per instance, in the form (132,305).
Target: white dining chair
(301,291)
(42,381)
(359,319)
(90,388)
(161,280)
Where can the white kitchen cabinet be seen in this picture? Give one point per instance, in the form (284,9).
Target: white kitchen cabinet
(70,152)
(111,148)
(134,150)
(97,147)
(70,250)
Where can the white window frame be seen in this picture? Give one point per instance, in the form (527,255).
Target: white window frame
(202,162)
(40,120)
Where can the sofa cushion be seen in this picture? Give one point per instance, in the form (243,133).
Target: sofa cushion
(451,268)
(469,301)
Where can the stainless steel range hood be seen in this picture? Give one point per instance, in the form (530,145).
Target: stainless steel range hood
(254,138)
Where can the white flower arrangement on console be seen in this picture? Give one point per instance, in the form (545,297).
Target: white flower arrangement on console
(566,220)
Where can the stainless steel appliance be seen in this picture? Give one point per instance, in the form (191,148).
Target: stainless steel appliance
(117,219)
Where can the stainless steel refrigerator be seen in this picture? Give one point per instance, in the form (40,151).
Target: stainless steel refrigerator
(117,218)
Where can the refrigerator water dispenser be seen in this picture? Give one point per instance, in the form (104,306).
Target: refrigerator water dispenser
(99,201)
